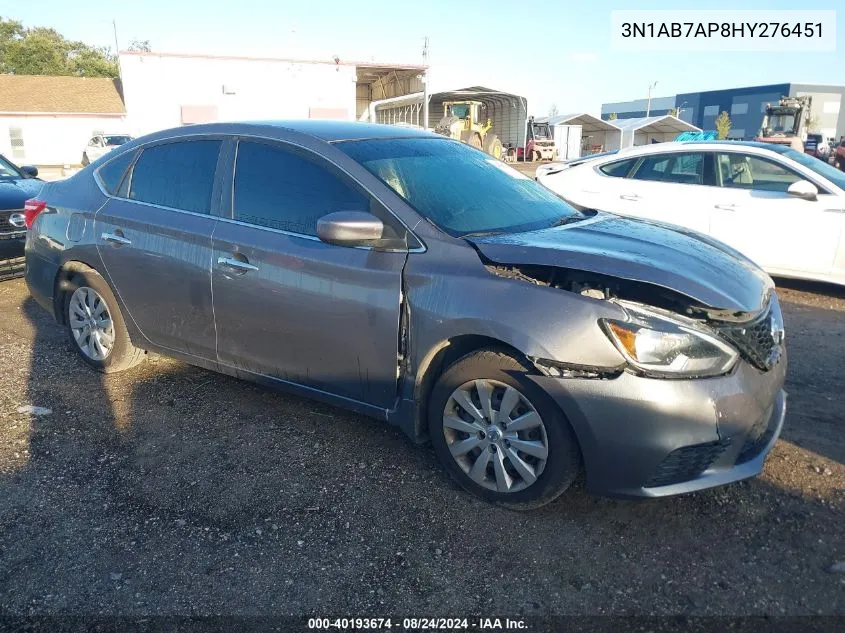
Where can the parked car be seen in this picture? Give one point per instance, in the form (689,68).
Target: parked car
(102,144)
(409,277)
(17,184)
(783,209)
(839,156)
(817,147)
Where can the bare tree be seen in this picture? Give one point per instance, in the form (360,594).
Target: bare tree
(140,46)
(553,111)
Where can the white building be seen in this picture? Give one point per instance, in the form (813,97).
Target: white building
(49,120)
(163,90)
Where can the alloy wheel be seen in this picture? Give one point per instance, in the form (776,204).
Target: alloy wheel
(91,324)
(495,435)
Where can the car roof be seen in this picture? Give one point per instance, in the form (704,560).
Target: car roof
(329,131)
(669,146)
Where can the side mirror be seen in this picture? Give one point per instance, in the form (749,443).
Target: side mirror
(349,228)
(30,170)
(804,190)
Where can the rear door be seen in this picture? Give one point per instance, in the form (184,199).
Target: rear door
(670,187)
(290,306)
(154,238)
(781,233)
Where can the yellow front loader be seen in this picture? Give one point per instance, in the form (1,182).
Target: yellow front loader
(460,122)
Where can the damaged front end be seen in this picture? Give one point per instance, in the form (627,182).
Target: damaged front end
(664,334)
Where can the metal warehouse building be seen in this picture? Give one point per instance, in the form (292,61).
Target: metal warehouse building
(163,90)
(745,106)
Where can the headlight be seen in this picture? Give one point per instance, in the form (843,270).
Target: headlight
(658,345)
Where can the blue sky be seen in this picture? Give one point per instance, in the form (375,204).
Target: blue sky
(497,46)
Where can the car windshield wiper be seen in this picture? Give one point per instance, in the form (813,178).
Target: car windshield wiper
(481,234)
(570,219)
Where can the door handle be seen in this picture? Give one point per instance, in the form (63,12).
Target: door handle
(18,220)
(116,238)
(632,196)
(726,207)
(236,264)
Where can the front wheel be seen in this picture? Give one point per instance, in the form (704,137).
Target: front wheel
(95,325)
(499,435)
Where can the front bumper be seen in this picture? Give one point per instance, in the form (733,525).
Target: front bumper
(11,254)
(646,437)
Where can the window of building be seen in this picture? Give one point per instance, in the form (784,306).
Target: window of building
(736,134)
(711,110)
(177,175)
(830,107)
(739,108)
(287,190)
(16,139)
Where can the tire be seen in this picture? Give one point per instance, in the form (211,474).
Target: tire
(547,478)
(473,139)
(837,162)
(122,354)
(85,161)
(493,146)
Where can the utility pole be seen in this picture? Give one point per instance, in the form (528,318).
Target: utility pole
(425,83)
(648,106)
(116,48)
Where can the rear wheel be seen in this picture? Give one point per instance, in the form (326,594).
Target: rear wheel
(493,146)
(95,325)
(499,435)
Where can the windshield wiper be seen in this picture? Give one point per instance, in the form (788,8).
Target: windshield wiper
(480,234)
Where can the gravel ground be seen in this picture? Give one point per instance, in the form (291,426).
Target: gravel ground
(173,490)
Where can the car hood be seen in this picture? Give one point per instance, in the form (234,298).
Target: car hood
(703,269)
(13,193)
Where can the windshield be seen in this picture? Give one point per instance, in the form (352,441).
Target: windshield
(460,189)
(820,167)
(8,170)
(460,111)
(117,140)
(781,123)
(541,131)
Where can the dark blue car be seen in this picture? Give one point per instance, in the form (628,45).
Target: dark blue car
(17,185)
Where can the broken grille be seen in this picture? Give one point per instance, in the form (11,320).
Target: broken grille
(758,342)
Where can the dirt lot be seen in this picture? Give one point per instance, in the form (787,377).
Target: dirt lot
(173,490)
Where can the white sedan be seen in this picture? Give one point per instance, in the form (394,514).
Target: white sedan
(783,209)
(102,144)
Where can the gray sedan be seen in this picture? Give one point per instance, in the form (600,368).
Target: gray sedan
(414,279)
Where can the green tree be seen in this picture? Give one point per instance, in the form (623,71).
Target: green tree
(611,116)
(44,51)
(674,112)
(723,125)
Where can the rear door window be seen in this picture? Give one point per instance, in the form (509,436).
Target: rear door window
(680,168)
(177,175)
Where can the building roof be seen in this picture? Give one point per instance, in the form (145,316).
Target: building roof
(60,95)
(337,61)
(588,122)
(654,124)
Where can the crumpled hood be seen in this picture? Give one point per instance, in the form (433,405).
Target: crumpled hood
(687,262)
(13,193)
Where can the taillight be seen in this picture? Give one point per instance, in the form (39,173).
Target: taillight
(31,209)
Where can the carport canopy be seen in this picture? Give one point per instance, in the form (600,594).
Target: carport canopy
(644,130)
(597,135)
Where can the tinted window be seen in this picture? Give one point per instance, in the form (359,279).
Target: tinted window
(288,190)
(742,171)
(460,189)
(177,175)
(687,168)
(618,169)
(111,174)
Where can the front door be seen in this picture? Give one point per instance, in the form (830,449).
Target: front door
(781,233)
(155,243)
(292,307)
